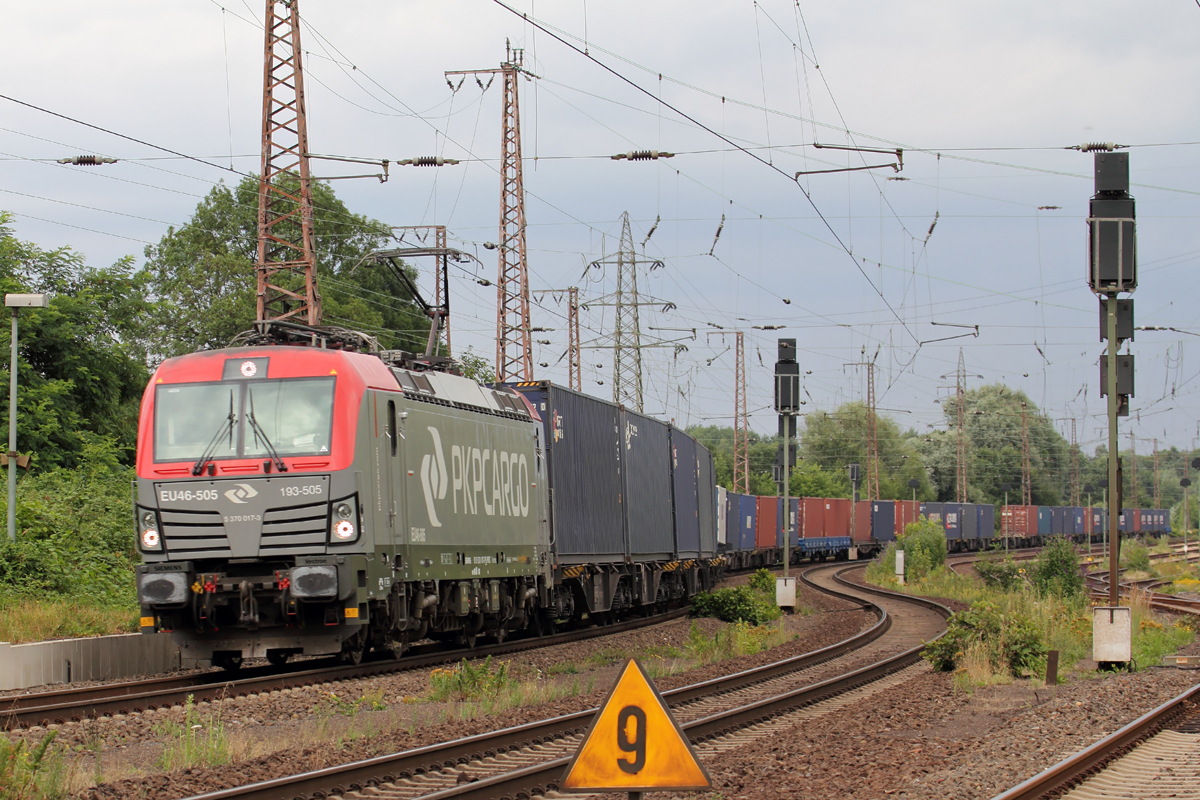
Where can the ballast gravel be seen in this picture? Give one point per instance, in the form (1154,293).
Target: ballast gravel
(282,723)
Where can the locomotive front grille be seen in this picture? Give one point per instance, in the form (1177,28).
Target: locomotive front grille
(295,530)
(195,534)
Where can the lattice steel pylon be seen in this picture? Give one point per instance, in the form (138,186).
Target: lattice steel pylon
(1026,472)
(287,266)
(514,344)
(441,286)
(1133,484)
(872,436)
(574,362)
(741,421)
(1157,485)
(960,398)
(1074,467)
(627,330)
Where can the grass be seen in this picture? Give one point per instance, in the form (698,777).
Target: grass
(26,620)
(1062,623)
(199,741)
(738,639)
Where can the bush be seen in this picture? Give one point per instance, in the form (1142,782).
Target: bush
(739,604)
(1056,569)
(999,573)
(763,581)
(924,546)
(1012,640)
(1135,555)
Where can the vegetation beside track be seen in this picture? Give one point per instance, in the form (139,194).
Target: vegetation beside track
(1019,611)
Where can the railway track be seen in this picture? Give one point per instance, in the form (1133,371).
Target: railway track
(718,714)
(1155,756)
(89,702)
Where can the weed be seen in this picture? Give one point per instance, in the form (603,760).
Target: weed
(1135,555)
(198,741)
(739,604)
(469,682)
(563,668)
(738,639)
(1056,569)
(999,572)
(763,581)
(31,773)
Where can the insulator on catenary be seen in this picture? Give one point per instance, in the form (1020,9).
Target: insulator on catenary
(87,161)
(1091,147)
(428,161)
(642,155)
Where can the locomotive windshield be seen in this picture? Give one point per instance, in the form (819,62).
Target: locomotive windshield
(295,414)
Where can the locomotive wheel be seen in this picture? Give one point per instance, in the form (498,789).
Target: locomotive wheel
(465,639)
(277,658)
(501,633)
(351,655)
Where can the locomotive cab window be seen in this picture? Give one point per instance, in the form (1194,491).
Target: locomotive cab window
(295,416)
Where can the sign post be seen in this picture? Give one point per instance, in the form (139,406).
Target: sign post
(634,744)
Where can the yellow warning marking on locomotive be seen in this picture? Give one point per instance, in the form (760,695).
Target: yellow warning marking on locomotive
(351,613)
(635,744)
(147,622)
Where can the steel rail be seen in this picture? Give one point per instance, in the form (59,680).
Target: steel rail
(137,696)
(356,776)
(1073,770)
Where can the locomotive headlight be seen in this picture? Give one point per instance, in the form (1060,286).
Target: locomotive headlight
(344,530)
(344,511)
(147,519)
(150,540)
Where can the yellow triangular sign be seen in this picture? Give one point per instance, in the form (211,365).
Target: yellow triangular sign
(634,743)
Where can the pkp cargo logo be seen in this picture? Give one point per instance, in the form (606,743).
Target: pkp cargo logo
(631,433)
(434,477)
(241,492)
(557,426)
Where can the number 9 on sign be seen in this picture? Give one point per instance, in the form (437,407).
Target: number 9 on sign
(632,717)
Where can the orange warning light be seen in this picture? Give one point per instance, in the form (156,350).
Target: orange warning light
(634,743)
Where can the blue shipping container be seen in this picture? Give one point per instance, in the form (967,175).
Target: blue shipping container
(1045,520)
(986,521)
(952,520)
(733,518)
(932,511)
(748,517)
(1058,520)
(683,486)
(969,520)
(883,521)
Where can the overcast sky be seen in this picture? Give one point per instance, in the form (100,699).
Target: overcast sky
(983,98)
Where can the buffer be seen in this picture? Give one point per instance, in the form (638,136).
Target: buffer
(634,744)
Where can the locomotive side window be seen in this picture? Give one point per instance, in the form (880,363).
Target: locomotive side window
(391,424)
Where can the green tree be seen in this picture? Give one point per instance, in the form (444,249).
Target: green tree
(203,274)
(81,373)
(834,440)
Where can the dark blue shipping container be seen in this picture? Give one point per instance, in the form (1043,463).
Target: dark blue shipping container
(985,516)
(706,490)
(646,471)
(1125,520)
(1078,521)
(748,518)
(952,514)
(969,521)
(932,511)
(1045,520)
(1099,521)
(583,460)
(883,521)
(1058,520)
(684,494)
(733,519)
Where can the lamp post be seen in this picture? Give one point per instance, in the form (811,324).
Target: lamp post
(1088,489)
(15,302)
(1185,483)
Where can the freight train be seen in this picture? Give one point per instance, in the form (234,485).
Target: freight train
(313,500)
(751,528)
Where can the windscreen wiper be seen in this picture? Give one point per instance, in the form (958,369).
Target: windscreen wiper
(260,434)
(227,425)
